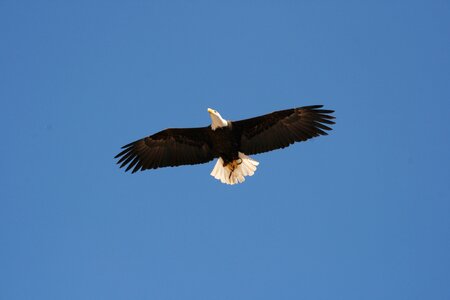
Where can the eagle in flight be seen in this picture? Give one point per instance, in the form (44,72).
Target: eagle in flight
(229,141)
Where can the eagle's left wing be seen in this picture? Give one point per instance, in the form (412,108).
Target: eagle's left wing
(282,128)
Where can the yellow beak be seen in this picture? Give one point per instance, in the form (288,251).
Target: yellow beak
(210,110)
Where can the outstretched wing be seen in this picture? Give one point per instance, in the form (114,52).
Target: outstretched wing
(282,128)
(168,148)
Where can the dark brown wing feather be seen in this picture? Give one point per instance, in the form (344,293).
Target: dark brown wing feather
(282,128)
(168,148)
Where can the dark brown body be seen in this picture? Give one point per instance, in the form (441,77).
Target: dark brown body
(225,143)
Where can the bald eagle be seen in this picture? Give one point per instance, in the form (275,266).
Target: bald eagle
(229,141)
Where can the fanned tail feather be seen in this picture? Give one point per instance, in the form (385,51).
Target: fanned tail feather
(236,171)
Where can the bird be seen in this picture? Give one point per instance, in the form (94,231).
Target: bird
(231,142)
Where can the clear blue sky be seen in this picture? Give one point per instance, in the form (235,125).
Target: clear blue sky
(363,213)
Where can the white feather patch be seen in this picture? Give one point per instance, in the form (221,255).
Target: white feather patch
(235,172)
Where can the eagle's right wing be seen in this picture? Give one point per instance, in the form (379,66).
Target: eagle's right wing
(168,148)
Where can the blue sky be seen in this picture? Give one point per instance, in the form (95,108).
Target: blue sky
(360,214)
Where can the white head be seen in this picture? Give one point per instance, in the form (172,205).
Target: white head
(217,120)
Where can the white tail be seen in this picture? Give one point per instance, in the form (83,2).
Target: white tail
(236,171)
